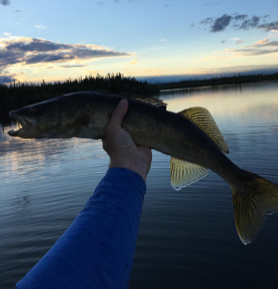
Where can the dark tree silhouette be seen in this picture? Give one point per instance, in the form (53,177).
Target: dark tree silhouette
(16,94)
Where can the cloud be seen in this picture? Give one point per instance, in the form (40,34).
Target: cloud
(24,51)
(207,21)
(5,2)
(262,47)
(7,33)
(238,21)
(221,23)
(163,40)
(41,26)
(71,66)
(269,26)
(255,52)
(238,40)
(250,23)
(240,17)
(7,78)
(262,41)
(45,68)
(134,61)
(101,3)
(209,4)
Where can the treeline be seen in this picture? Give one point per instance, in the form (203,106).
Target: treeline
(236,79)
(17,94)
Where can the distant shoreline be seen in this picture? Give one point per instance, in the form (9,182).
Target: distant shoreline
(16,95)
(237,79)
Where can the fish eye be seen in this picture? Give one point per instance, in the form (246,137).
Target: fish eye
(34,110)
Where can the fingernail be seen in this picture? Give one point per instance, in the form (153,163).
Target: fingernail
(121,103)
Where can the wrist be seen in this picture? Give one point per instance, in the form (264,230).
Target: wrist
(133,163)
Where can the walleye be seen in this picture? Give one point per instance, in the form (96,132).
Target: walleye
(190,137)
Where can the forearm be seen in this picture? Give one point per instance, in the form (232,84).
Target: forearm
(97,250)
(134,163)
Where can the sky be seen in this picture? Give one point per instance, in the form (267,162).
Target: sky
(57,40)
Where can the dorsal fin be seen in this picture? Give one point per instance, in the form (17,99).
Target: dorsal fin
(147,99)
(202,118)
(151,100)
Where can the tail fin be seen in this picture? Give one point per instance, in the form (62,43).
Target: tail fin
(253,200)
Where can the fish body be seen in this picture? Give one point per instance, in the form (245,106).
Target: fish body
(86,115)
(190,137)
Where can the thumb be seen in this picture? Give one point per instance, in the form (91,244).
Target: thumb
(118,115)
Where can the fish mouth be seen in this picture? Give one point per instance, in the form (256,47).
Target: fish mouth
(24,124)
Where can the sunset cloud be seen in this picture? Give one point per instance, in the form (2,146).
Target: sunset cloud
(261,47)
(134,61)
(41,26)
(24,51)
(262,41)
(238,40)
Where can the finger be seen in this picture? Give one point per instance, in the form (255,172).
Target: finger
(118,115)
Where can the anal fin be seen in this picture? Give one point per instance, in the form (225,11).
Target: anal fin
(184,173)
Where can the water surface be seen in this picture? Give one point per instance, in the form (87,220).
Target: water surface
(187,239)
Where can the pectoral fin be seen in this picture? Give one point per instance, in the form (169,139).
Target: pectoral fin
(184,173)
(202,118)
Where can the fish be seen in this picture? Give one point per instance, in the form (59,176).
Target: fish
(191,137)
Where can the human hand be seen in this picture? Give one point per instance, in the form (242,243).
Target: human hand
(119,145)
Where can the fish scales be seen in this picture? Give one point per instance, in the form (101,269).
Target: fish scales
(190,137)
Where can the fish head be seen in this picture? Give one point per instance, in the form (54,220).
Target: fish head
(48,119)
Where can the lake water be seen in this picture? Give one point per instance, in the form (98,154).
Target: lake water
(187,239)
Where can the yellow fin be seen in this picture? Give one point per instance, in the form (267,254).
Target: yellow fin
(202,118)
(253,200)
(184,173)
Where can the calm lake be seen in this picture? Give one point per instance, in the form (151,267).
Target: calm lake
(187,238)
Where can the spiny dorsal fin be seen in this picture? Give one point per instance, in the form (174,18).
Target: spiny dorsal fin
(184,173)
(151,100)
(202,118)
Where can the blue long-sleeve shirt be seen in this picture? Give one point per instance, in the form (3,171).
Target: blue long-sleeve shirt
(97,250)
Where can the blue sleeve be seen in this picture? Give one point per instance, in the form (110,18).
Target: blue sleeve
(97,250)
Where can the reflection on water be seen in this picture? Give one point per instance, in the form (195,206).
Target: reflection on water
(187,239)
